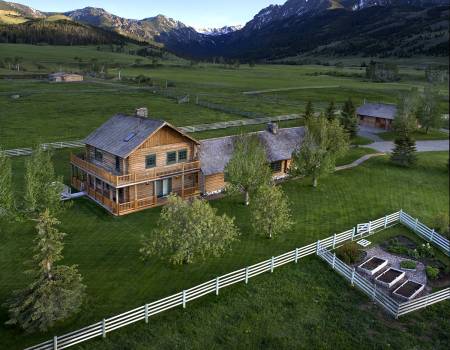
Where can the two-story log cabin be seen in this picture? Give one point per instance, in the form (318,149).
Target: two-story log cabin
(134,163)
(131,163)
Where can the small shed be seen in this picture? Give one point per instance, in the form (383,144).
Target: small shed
(62,77)
(377,115)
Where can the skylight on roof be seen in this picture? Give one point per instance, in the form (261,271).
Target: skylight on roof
(129,137)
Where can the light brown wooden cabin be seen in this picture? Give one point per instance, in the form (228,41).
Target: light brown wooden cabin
(165,162)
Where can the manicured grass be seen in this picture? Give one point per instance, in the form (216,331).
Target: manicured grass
(361,141)
(353,154)
(417,135)
(106,250)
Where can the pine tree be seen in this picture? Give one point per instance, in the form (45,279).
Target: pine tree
(270,212)
(309,110)
(330,112)
(349,118)
(56,291)
(247,169)
(404,152)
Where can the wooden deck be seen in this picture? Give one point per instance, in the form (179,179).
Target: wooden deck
(118,181)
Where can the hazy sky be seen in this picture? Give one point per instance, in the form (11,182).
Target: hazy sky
(196,13)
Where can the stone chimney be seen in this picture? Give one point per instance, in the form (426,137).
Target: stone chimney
(272,127)
(141,112)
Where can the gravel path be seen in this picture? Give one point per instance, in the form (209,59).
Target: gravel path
(422,146)
(419,275)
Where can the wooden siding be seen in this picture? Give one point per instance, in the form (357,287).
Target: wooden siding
(375,122)
(213,183)
(108,160)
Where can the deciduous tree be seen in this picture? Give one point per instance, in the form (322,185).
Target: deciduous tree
(42,187)
(189,231)
(6,189)
(309,110)
(270,212)
(323,143)
(247,169)
(56,291)
(428,112)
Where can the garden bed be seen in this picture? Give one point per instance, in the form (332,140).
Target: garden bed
(409,290)
(390,277)
(373,265)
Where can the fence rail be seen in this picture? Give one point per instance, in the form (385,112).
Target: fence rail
(425,232)
(213,286)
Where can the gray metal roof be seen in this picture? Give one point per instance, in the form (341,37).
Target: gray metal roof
(215,153)
(122,134)
(379,110)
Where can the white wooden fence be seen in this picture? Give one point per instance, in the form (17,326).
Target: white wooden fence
(425,232)
(142,313)
(393,307)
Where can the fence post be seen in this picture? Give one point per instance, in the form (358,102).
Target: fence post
(334,259)
(353,278)
(353,233)
(415,224)
(370,226)
(374,291)
(318,247)
(146,313)
(400,215)
(385,221)
(246,275)
(334,241)
(296,255)
(271,264)
(104,328)
(217,285)
(184,299)
(432,236)
(55,343)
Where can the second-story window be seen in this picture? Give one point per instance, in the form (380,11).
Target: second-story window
(171,158)
(98,155)
(182,155)
(118,163)
(150,161)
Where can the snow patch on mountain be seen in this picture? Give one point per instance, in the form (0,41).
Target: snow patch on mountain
(219,31)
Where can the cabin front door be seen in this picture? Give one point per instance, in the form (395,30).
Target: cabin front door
(163,187)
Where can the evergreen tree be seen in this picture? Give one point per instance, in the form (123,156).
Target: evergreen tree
(330,112)
(309,111)
(404,152)
(324,142)
(349,118)
(56,291)
(247,169)
(270,212)
(42,187)
(6,191)
(189,231)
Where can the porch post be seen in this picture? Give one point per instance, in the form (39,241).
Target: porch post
(135,196)
(117,201)
(182,183)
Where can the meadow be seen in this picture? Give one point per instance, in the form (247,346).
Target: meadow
(319,308)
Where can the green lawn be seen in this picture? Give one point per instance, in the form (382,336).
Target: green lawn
(106,250)
(418,135)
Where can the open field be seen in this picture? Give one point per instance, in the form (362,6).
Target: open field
(106,250)
(47,112)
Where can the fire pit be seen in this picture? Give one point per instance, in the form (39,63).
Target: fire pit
(373,265)
(409,290)
(390,277)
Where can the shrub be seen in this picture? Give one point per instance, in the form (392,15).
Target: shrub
(349,253)
(426,251)
(408,264)
(432,272)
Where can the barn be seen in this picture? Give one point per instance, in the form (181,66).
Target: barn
(61,77)
(377,115)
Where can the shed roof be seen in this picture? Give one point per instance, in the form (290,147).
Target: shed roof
(379,110)
(62,74)
(121,134)
(215,153)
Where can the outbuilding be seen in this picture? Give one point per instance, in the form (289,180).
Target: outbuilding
(377,115)
(61,77)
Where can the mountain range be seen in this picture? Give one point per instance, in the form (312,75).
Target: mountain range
(298,27)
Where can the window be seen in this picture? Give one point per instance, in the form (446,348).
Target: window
(182,155)
(117,163)
(150,161)
(276,166)
(98,155)
(171,157)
